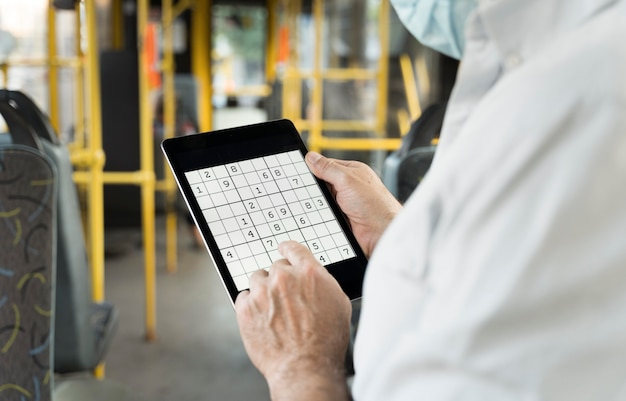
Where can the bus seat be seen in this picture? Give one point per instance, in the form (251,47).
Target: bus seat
(27,263)
(405,168)
(83,329)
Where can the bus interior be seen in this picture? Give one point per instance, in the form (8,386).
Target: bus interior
(139,312)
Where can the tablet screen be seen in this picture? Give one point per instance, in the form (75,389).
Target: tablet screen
(249,189)
(253,205)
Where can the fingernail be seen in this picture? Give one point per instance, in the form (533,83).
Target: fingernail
(313,157)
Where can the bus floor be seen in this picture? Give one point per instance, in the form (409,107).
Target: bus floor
(198,354)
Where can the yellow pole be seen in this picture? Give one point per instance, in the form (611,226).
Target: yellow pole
(96,196)
(410,87)
(147,170)
(169,125)
(294,54)
(291,96)
(53,76)
(423,77)
(201,61)
(404,122)
(292,82)
(95,145)
(79,85)
(117,22)
(5,74)
(315,138)
(383,67)
(270,41)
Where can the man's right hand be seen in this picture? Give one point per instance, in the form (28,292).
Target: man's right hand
(361,195)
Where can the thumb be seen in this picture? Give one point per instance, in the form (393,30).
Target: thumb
(324,168)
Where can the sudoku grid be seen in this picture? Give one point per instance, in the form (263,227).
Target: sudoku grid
(253,205)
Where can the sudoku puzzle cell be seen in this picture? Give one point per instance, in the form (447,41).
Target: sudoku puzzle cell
(253,205)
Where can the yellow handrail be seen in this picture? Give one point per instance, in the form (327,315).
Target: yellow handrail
(360,143)
(53,76)
(96,206)
(79,87)
(169,123)
(250,90)
(292,83)
(146,145)
(315,137)
(339,125)
(96,192)
(339,74)
(270,41)
(68,62)
(410,87)
(423,77)
(117,24)
(178,8)
(201,61)
(383,67)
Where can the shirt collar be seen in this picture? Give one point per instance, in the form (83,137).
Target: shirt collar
(520,27)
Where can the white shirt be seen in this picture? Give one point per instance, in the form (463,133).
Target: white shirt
(505,276)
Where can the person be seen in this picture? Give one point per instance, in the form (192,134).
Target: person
(504,275)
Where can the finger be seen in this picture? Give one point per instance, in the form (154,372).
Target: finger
(313,157)
(296,253)
(281,263)
(257,280)
(330,170)
(277,266)
(243,306)
(241,299)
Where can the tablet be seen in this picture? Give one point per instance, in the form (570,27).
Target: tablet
(248,189)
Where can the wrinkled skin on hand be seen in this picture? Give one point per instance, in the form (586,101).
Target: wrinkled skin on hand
(361,195)
(295,322)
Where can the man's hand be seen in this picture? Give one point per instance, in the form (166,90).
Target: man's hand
(295,324)
(361,195)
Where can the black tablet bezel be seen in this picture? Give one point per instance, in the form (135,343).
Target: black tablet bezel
(236,144)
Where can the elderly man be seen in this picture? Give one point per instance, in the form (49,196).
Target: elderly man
(504,276)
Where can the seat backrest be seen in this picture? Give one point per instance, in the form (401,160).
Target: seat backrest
(404,168)
(412,169)
(75,339)
(27,264)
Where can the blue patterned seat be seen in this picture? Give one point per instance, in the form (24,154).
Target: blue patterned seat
(27,271)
